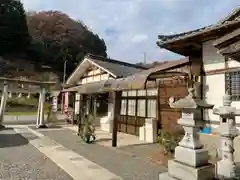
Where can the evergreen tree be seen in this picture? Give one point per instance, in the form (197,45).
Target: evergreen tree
(14,36)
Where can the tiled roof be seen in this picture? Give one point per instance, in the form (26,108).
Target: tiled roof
(138,80)
(119,68)
(232,18)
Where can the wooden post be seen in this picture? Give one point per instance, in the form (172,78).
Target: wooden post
(10,95)
(3,103)
(88,105)
(116,113)
(95,106)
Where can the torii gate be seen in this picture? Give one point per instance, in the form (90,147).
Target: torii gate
(42,89)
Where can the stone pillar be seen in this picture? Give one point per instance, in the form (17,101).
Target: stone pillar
(191,160)
(41,122)
(3,103)
(226,167)
(150,130)
(19,95)
(38,111)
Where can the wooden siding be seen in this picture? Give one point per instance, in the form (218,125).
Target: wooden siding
(167,87)
(93,74)
(167,116)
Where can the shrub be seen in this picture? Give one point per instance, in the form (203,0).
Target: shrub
(169,141)
(86,129)
(169,137)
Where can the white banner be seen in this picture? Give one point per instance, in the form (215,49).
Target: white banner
(54,104)
(77,103)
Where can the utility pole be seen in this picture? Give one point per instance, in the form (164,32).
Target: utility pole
(145,58)
(64,71)
(64,79)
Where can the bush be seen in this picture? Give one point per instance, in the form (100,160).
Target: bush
(86,129)
(169,141)
(169,137)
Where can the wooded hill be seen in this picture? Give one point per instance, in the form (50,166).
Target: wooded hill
(42,39)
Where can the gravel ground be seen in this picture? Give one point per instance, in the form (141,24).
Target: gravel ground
(21,161)
(121,164)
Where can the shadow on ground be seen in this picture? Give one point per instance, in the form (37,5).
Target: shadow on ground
(49,126)
(9,138)
(103,139)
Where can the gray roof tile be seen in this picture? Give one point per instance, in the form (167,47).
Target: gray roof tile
(119,68)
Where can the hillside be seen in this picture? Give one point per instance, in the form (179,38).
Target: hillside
(55,38)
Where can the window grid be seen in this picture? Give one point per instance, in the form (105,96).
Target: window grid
(232,85)
(151,108)
(141,108)
(137,103)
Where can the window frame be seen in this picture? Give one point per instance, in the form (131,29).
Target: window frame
(235,95)
(139,97)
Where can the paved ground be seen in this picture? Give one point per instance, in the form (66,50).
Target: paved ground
(121,164)
(20,160)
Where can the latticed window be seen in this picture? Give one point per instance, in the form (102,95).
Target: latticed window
(232,84)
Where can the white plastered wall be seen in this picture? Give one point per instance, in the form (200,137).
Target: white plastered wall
(214,85)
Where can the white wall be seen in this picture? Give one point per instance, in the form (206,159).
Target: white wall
(215,84)
(95,76)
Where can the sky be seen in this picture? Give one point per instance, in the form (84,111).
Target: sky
(130,27)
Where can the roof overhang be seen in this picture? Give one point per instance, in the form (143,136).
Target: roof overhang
(92,88)
(229,44)
(142,80)
(137,81)
(191,42)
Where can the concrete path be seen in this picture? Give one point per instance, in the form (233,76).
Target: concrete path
(20,160)
(77,166)
(105,138)
(121,164)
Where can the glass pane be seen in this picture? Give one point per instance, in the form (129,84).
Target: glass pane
(132,93)
(131,107)
(124,93)
(233,84)
(123,107)
(152,92)
(141,111)
(141,93)
(78,97)
(151,109)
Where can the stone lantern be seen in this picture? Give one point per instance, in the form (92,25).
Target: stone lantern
(226,167)
(191,160)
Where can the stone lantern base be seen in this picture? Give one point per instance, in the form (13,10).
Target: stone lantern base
(226,170)
(180,171)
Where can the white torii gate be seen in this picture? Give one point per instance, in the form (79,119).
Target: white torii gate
(40,123)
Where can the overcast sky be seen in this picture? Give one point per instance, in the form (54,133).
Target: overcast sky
(130,27)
